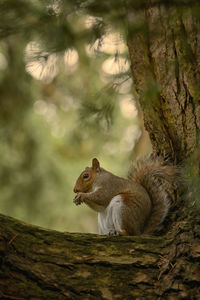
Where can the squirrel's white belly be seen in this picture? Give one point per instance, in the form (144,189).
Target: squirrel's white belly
(110,220)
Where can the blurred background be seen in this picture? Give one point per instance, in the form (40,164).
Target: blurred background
(66,96)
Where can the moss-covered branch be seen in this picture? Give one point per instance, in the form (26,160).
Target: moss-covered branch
(43,264)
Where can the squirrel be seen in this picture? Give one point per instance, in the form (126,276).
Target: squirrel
(133,206)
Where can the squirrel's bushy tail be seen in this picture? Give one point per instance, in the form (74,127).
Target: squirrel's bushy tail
(150,174)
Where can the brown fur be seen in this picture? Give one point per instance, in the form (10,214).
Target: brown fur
(144,199)
(147,173)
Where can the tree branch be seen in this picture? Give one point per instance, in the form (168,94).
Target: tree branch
(37,263)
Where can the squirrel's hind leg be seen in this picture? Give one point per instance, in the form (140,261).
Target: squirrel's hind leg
(122,232)
(117,232)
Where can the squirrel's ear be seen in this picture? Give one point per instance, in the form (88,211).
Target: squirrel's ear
(95,164)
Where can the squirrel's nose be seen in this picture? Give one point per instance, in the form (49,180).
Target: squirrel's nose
(75,190)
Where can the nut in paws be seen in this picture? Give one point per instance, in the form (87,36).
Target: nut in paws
(77,200)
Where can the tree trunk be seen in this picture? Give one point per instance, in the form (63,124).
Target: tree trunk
(165,64)
(43,264)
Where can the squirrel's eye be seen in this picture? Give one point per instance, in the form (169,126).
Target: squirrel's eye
(86,175)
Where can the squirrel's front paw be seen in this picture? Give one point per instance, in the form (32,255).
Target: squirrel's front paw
(78,199)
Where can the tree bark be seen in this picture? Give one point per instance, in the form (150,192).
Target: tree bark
(42,264)
(165,64)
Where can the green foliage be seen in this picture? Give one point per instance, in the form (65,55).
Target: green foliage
(56,114)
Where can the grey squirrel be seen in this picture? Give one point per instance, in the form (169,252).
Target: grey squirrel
(132,206)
